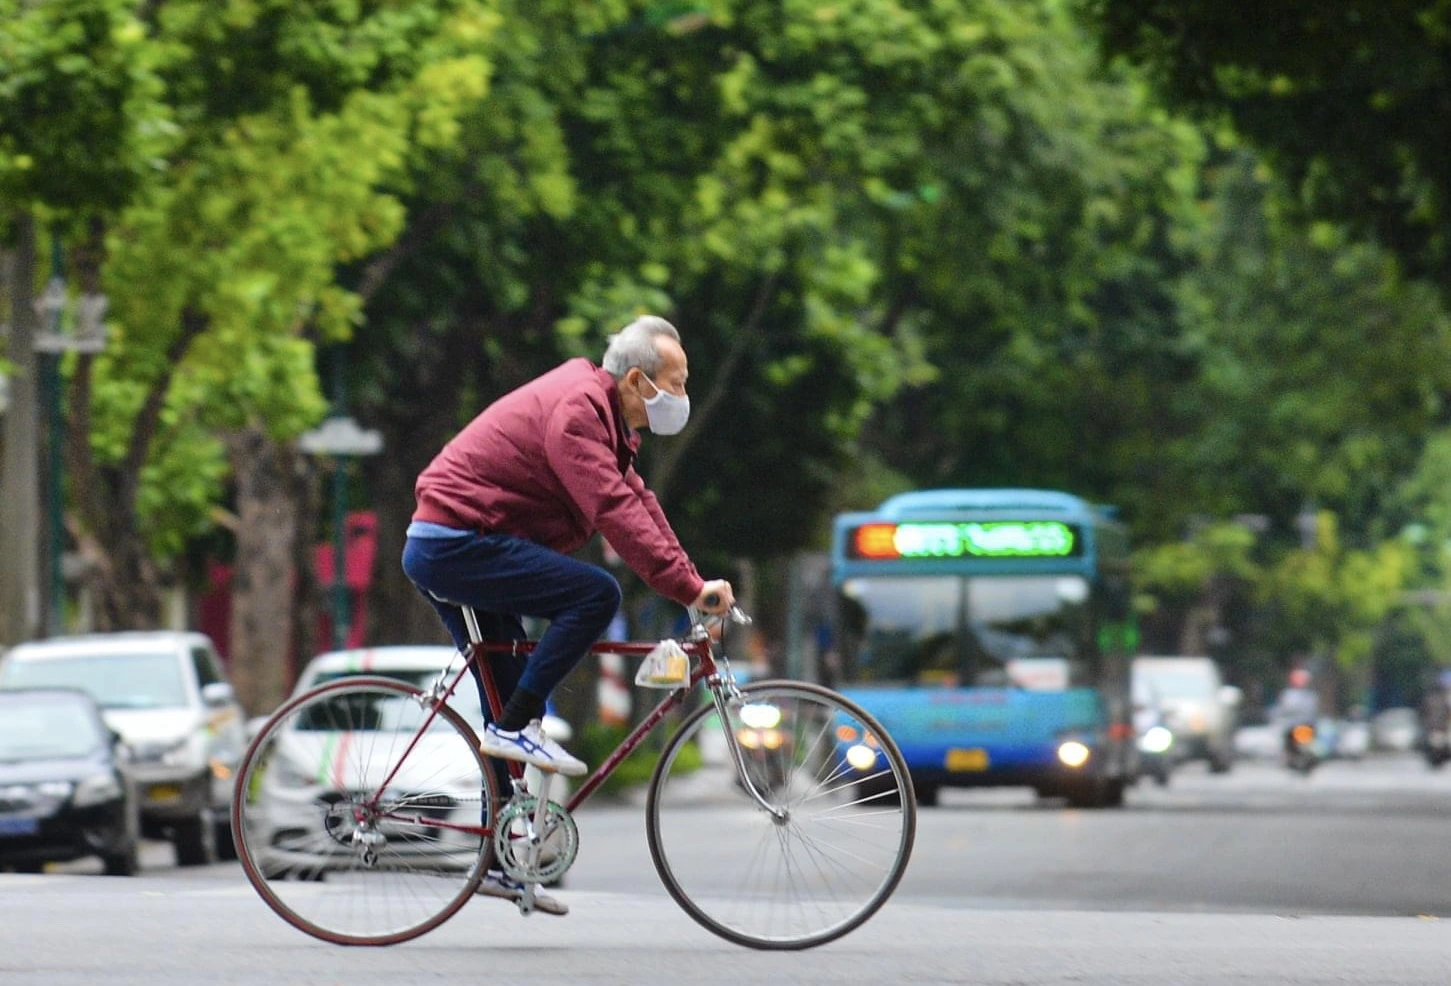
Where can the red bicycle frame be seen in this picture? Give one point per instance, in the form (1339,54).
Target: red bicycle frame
(704,668)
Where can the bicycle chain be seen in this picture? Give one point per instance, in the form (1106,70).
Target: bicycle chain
(558,846)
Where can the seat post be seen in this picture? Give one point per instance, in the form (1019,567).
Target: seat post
(471,621)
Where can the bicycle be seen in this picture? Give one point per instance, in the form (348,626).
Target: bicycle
(365,814)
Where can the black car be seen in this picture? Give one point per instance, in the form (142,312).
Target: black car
(63,793)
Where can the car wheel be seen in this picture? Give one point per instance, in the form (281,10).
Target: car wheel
(29,867)
(226,845)
(124,863)
(927,795)
(195,840)
(1219,763)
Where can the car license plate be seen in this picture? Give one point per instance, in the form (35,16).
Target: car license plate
(164,792)
(967,760)
(19,826)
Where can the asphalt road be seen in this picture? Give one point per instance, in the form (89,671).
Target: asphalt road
(1257,877)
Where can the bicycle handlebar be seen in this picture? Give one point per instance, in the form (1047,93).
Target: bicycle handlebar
(735,614)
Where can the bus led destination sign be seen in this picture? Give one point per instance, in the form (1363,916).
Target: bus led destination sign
(989,539)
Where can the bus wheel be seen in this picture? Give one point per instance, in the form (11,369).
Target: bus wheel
(884,791)
(1097,794)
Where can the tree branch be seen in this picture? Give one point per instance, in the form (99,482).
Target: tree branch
(662,473)
(89,498)
(381,267)
(148,422)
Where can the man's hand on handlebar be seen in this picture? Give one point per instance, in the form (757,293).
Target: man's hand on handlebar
(715,598)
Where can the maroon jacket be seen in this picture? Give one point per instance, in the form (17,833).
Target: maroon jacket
(554,462)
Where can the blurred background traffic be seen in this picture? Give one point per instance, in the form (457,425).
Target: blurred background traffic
(1186,280)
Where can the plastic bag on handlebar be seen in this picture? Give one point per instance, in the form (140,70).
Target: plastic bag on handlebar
(666,666)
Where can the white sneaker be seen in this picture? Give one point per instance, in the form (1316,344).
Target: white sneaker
(496,884)
(529,745)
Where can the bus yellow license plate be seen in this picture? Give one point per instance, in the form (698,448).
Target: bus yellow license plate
(967,760)
(164,792)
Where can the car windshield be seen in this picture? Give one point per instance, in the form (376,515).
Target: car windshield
(47,730)
(115,681)
(373,712)
(1181,682)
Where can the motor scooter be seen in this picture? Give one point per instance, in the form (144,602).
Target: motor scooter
(1301,753)
(1437,748)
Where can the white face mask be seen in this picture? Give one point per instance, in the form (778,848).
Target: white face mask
(666,413)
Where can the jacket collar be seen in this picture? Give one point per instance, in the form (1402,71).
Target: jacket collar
(628,438)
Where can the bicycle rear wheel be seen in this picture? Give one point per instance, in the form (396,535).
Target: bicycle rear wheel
(820,866)
(336,853)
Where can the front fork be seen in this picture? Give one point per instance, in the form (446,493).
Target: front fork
(727,696)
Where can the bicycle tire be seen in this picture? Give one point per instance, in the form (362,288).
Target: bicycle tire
(810,711)
(293,825)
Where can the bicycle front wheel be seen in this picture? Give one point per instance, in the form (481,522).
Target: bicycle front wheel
(834,843)
(357,823)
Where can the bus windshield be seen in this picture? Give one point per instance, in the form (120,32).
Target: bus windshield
(947,630)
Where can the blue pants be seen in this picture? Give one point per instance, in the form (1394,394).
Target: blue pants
(504,578)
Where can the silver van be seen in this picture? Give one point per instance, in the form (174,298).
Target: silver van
(1199,708)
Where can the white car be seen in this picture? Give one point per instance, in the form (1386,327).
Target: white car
(164,693)
(308,770)
(1199,708)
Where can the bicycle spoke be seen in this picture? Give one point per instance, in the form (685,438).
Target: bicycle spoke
(368,867)
(821,861)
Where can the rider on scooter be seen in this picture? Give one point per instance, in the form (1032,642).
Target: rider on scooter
(1297,705)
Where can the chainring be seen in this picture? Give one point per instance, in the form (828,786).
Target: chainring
(557,849)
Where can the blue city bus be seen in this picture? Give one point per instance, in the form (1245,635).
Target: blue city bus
(989,631)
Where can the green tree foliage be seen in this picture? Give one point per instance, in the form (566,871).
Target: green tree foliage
(1044,287)
(1348,98)
(1331,598)
(1319,367)
(1256,604)
(828,198)
(254,146)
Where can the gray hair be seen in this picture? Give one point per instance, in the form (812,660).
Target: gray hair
(634,345)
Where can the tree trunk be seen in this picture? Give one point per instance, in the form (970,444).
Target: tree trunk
(20,467)
(124,580)
(308,594)
(263,580)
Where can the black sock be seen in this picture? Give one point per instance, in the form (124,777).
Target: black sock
(524,706)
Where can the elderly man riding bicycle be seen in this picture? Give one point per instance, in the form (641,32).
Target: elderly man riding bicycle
(528,481)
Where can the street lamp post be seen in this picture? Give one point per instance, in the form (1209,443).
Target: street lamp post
(87,335)
(341,438)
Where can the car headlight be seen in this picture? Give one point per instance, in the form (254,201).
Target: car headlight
(1156,739)
(761,715)
(165,751)
(189,751)
(59,790)
(97,790)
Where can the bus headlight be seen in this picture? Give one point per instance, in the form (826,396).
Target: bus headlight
(861,756)
(1073,753)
